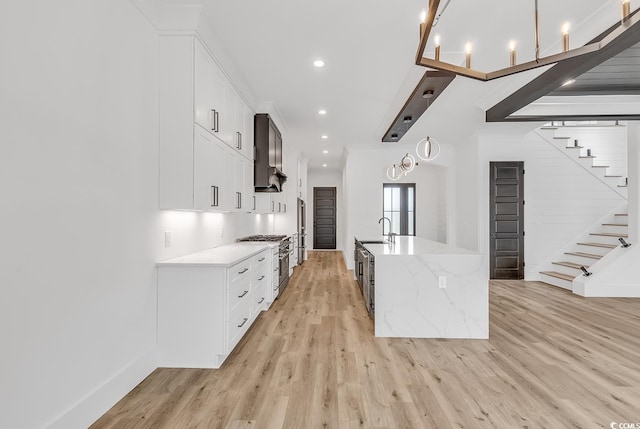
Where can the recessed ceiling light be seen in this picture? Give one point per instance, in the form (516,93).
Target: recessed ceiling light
(324,165)
(322,112)
(325,136)
(569,82)
(325,152)
(318,63)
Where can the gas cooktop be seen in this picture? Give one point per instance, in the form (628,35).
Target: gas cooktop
(263,238)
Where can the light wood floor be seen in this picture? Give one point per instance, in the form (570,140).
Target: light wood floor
(554,360)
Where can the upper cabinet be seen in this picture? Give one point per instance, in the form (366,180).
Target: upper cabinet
(206,146)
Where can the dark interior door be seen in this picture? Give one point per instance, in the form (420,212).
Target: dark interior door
(507,220)
(324,218)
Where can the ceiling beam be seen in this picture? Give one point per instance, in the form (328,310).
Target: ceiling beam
(566,70)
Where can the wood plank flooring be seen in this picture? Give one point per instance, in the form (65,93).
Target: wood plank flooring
(553,360)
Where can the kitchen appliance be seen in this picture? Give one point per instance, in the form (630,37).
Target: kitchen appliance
(302,234)
(283,255)
(267,165)
(365,274)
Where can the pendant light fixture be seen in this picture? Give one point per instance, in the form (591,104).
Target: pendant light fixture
(394,172)
(428,149)
(407,163)
(430,19)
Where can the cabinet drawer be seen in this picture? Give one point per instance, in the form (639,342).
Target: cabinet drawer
(239,270)
(238,323)
(260,279)
(259,260)
(239,292)
(259,302)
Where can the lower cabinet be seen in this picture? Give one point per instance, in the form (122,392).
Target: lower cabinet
(204,311)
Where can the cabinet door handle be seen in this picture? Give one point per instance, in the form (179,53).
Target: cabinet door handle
(238,200)
(243,294)
(275,269)
(213,120)
(260,278)
(238,144)
(214,196)
(217,122)
(243,271)
(243,322)
(276,288)
(261,301)
(261,259)
(253,203)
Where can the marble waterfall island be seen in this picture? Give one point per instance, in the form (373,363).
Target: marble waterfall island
(410,300)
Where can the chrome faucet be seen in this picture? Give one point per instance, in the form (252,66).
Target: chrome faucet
(391,236)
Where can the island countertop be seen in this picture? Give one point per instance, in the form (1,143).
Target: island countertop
(412,246)
(426,289)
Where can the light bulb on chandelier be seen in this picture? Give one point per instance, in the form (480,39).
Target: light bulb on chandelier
(428,149)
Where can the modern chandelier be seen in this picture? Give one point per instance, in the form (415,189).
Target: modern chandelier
(627,21)
(427,150)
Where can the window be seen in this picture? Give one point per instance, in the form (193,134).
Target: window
(399,202)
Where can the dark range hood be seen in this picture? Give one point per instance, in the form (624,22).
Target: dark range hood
(267,166)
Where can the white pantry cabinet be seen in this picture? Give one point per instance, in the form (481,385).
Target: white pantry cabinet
(205,310)
(206,161)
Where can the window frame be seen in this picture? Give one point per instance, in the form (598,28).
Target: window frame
(404,207)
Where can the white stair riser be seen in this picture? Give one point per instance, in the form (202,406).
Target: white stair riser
(580,260)
(603,239)
(566,270)
(615,229)
(592,249)
(587,162)
(565,284)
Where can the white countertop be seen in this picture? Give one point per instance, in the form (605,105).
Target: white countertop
(413,246)
(226,255)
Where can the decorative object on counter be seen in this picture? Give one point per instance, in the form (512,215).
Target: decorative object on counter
(430,19)
(428,149)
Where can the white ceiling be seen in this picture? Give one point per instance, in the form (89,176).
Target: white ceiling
(369,48)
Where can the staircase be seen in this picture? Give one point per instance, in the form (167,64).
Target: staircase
(587,252)
(584,156)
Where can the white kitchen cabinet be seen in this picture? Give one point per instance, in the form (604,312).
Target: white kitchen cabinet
(271,202)
(205,310)
(197,113)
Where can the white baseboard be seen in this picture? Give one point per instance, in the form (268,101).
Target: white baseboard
(93,405)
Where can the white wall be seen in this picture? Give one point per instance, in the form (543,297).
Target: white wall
(364,177)
(82,232)
(563,200)
(325,178)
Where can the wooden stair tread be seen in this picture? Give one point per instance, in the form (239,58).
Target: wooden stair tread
(584,255)
(611,176)
(570,264)
(606,246)
(623,186)
(609,234)
(574,147)
(615,224)
(621,214)
(558,275)
(600,166)
(561,138)
(584,157)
